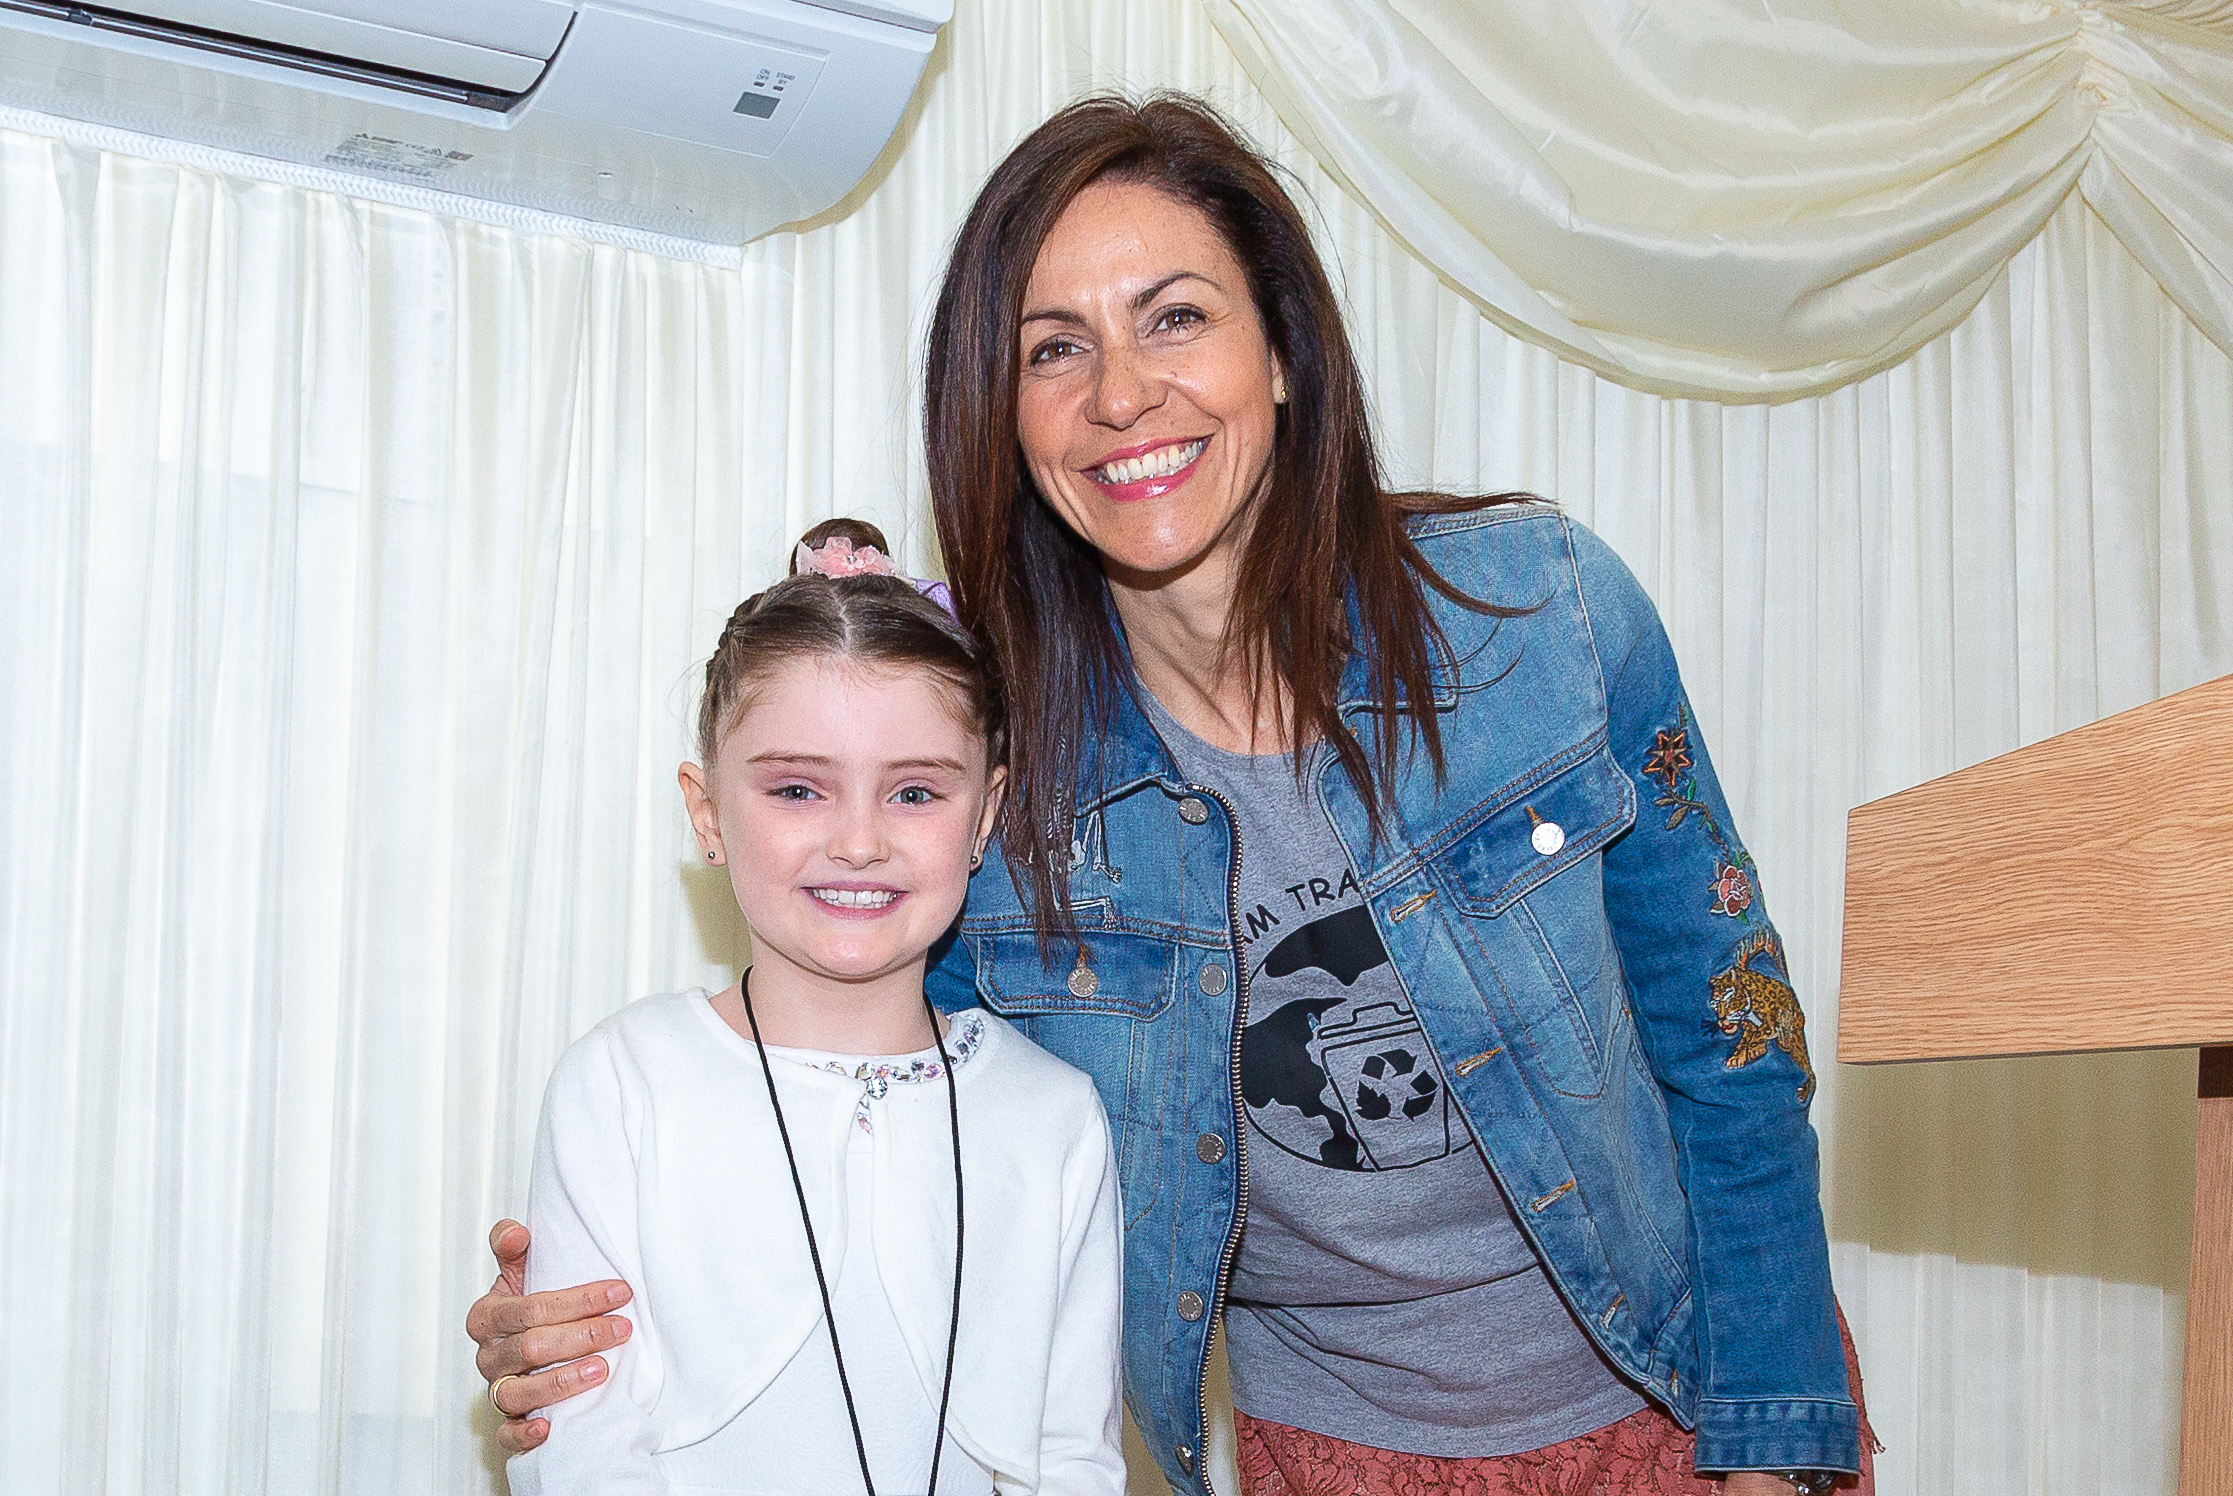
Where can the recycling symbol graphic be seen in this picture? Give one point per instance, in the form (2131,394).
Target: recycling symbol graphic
(1388,1069)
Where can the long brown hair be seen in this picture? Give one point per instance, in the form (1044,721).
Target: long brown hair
(1324,533)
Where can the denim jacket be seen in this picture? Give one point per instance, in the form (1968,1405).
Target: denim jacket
(1581,936)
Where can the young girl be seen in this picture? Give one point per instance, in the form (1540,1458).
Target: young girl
(872,1249)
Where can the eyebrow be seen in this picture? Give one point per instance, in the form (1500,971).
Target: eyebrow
(1139,302)
(824,761)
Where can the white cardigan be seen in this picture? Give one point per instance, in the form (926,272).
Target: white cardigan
(658,1162)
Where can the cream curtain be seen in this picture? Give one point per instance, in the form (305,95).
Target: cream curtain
(353,563)
(1738,199)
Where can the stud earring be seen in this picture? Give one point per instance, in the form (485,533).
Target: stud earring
(713,857)
(1279,391)
(976,861)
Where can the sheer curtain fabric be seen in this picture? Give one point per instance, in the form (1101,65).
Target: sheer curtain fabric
(356,564)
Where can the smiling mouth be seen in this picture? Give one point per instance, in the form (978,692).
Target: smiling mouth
(855,898)
(1160,463)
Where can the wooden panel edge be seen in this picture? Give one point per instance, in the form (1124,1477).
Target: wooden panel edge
(1913,1057)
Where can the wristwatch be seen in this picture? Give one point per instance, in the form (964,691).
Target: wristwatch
(1809,1482)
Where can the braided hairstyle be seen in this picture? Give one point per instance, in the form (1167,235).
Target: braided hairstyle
(876,621)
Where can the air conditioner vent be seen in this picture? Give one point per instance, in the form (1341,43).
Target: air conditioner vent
(277,53)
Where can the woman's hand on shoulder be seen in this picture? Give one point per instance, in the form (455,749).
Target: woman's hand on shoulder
(537,1349)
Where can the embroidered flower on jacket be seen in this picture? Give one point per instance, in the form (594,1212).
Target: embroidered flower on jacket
(1669,758)
(1670,763)
(1732,888)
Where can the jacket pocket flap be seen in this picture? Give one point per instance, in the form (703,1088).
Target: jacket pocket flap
(1543,827)
(1102,971)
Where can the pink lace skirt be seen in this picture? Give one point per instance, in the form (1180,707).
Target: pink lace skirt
(1645,1454)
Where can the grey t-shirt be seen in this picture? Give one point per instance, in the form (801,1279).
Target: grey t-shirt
(1383,1293)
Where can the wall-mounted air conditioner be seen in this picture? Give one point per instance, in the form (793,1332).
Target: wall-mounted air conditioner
(712,120)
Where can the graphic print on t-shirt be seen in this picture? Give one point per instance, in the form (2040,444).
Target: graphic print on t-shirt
(1336,1070)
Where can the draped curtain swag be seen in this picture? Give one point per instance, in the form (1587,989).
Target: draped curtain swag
(355,563)
(1759,199)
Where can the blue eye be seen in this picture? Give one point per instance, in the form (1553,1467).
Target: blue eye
(915,794)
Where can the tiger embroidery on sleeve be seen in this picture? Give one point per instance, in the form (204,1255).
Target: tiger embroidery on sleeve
(1758,1009)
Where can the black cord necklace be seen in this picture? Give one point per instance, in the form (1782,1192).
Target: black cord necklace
(814,1251)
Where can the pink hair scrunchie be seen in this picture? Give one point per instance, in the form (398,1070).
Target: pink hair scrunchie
(839,557)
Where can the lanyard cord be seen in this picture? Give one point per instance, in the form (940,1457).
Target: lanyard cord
(814,1251)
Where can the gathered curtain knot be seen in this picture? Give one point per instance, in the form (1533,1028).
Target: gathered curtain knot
(2098,39)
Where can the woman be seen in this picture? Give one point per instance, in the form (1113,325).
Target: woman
(1362,848)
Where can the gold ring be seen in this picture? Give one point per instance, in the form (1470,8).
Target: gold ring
(498,1386)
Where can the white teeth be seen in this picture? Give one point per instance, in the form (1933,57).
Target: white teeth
(1160,463)
(855,898)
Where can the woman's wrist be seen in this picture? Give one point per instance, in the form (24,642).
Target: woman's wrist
(1779,1482)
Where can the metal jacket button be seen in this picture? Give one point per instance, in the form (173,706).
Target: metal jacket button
(1083,983)
(1193,811)
(1191,1306)
(1547,837)
(1212,978)
(1209,1147)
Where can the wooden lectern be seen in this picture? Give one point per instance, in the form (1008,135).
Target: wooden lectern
(2081,898)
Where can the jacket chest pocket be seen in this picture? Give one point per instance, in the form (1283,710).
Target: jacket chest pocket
(1527,897)
(1094,1003)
